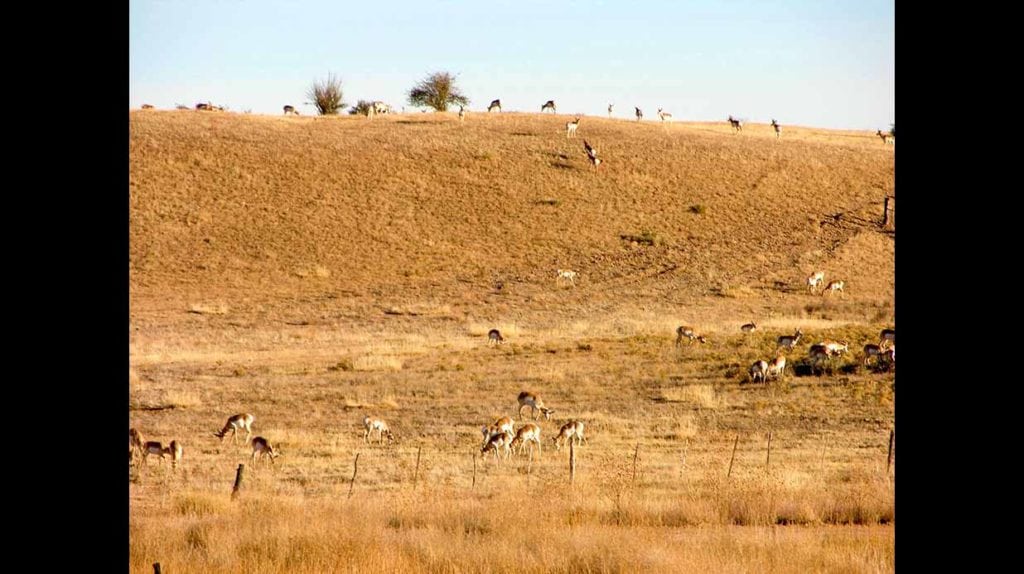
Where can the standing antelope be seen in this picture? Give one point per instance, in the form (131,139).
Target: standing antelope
(494,337)
(817,354)
(529,432)
(591,154)
(567,275)
(176,451)
(549,105)
(835,348)
(777,368)
(290,111)
(815,280)
(834,287)
(375,424)
(749,327)
(759,370)
(737,125)
(242,421)
(136,443)
(157,448)
(501,425)
(500,441)
(789,341)
(665,116)
(886,137)
(888,336)
(570,127)
(528,399)
(777,128)
(495,105)
(261,448)
(639,114)
(462,113)
(610,110)
(689,333)
(572,430)
(872,350)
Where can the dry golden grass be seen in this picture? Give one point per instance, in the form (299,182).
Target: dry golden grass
(313,270)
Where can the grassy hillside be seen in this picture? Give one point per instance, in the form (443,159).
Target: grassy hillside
(313,270)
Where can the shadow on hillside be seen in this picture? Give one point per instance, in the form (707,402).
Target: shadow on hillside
(525,134)
(560,165)
(421,123)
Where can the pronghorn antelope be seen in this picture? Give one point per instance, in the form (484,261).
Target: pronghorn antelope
(639,114)
(241,421)
(570,127)
(494,337)
(665,116)
(749,327)
(500,441)
(886,137)
(567,275)
(834,287)
(818,353)
(380,108)
(777,368)
(610,110)
(495,105)
(261,448)
(147,106)
(529,432)
(759,370)
(591,154)
(872,350)
(835,348)
(890,354)
(789,341)
(499,426)
(176,451)
(572,430)
(207,107)
(462,113)
(136,442)
(528,399)
(157,448)
(290,111)
(549,105)
(815,280)
(888,336)
(737,125)
(777,128)
(689,333)
(375,424)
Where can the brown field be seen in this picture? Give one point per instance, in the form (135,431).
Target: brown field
(313,270)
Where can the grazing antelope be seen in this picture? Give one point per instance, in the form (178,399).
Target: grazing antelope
(290,111)
(610,110)
(261,448)
(689,333)
(500,441)
(549,105)
(242,421)
(528,399)
(567,275)
(759,370)
(570,127)
(789,341)
(494,337)
(777,368)
(749,327)
(147,106)
(526,434)
(888,336)
(818,353)
(815,280)
(157,448)
(834,287)
(737,125)
(591,154)
(462,113)
(499,426)
(872,350)
(886,137)
(639,114)
(176,451)
(136,443)
(495,105)
(835,348)
(207,107)
(572,430)
(375,424)
(665,116)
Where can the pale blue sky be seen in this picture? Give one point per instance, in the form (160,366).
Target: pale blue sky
(823,63)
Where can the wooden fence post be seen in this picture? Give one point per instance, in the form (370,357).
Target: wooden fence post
(768,461)
(734,445)
(474,470)
(355,470)
(636,453)
(888,459)
(416,473)
(156,568)
(238,481)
